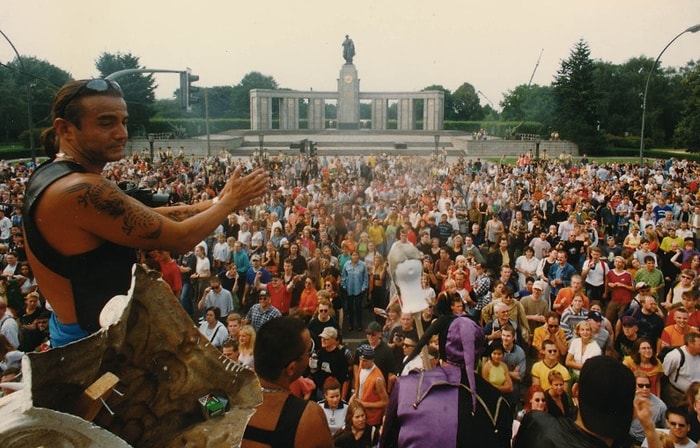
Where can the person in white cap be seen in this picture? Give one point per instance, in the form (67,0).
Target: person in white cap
(331,363)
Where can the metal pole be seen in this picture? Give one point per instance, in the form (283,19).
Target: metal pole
(30,122)
(692,29)
(206,120)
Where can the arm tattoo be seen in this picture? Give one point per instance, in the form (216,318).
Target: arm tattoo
(112,202)
(180,215)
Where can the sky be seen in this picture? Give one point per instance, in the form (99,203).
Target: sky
(401,45)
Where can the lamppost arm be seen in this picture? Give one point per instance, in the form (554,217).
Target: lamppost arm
(692,29)
(30,121)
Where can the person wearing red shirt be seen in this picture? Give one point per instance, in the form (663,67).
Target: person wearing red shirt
(169,269)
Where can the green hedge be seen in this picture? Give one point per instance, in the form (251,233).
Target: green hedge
(497,128)
(196,126)
(620,141)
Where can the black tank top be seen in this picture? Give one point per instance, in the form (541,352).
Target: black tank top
(286,429)
(95,276)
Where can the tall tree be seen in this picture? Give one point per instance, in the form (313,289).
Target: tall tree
(138,88)
(576,99)
(466,103)
(688,130)
(44,80)
(241,92)
(529,103)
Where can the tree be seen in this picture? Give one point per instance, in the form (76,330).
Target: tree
(138,88)
(221,102)
(44,81)
(688,129)
(529,103)
(466,103)
(240,94)
(576,99)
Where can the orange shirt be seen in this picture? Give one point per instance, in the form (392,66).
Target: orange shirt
(673,337)
(308,301)
(564,298)
(369,393)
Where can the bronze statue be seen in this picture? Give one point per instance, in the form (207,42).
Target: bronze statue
(348,50)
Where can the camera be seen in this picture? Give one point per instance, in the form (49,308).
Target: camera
(144,195)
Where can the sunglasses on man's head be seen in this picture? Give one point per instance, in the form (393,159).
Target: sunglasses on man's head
(98,85)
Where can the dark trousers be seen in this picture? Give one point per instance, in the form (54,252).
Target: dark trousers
(353,309)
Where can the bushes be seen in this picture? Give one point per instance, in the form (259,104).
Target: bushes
(195,126)
(498,128)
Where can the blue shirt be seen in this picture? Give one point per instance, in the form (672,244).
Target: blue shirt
(242,261)
(354,278)
(564,273)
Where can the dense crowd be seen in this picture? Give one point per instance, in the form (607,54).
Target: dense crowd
(558,261)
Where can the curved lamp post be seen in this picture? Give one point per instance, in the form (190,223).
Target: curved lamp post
(30,122)
(692,29)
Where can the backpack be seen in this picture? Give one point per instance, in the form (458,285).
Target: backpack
(668,349)
(671,395)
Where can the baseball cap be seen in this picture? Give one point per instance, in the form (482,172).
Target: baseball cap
(255,257)
(374,327)
(595,315)
(284,241)
(329,333)
(628,321)
(641,285)
(538,285)
(263,293)
(365,351)
(606,396)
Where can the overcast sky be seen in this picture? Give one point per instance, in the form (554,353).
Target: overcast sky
(401,45)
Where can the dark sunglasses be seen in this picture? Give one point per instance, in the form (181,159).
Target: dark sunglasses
(98,85)
(644,386)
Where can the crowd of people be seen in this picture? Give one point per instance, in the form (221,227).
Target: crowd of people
(558,261)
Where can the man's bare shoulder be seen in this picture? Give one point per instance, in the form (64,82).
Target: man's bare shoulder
(93,209)
(313,429)
(82,190)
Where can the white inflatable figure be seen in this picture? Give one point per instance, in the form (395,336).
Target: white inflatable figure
(406,269)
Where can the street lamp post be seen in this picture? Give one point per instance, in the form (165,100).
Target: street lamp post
(151,140)
(692,29)
(437,142)
(30,122)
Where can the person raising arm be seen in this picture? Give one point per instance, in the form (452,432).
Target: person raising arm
(82,229)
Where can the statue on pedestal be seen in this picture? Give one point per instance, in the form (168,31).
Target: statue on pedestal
(348,50)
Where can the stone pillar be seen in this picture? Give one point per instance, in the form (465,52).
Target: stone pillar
(379,114)
(260,111)
(430,116)
(317,114)
(289,113)
(405,114)
(348,98)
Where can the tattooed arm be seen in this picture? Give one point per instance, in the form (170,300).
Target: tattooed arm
(91,210)
(182,212)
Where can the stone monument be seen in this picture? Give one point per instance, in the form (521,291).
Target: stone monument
(348,90)
(347,106)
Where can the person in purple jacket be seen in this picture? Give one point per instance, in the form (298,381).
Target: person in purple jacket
(448,406)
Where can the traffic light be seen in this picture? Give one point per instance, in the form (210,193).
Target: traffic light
(302,146)
(312,149)
(187,90)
